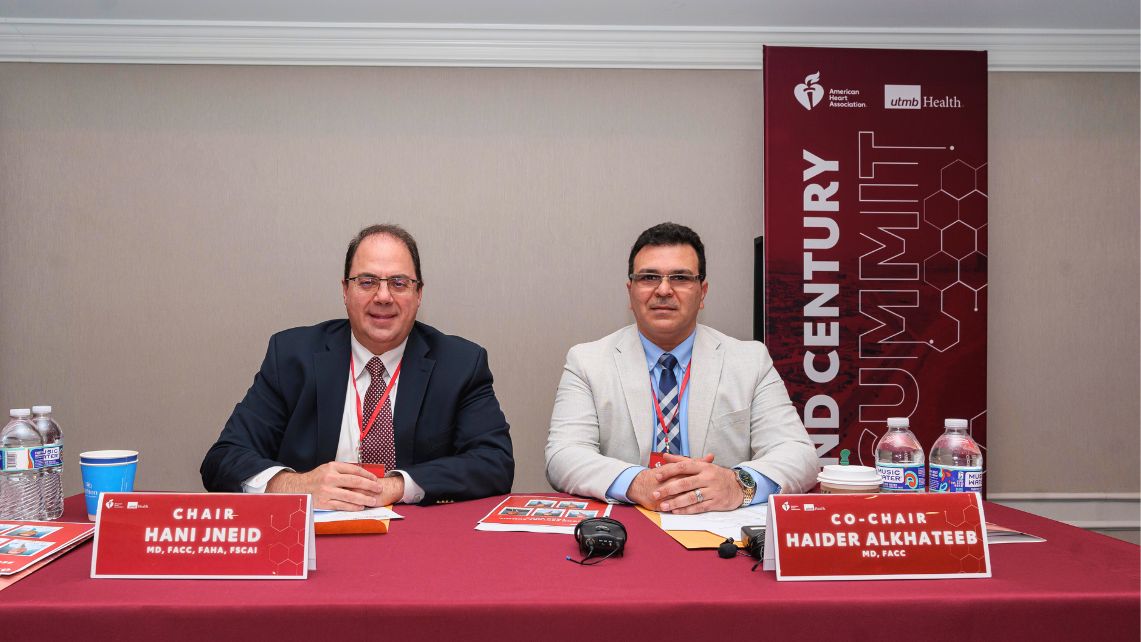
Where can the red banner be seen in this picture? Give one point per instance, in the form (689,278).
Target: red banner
(886,536)
(875,240)
(203,535)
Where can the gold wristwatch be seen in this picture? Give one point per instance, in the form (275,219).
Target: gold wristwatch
(748,486)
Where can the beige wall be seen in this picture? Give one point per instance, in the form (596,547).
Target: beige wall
(1065,220)
(158,223)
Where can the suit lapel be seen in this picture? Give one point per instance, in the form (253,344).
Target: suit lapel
(415,371)
(332,370)
(630,359)
(708,358)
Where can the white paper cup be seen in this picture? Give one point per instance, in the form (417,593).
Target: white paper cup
(106,471)
(837,480)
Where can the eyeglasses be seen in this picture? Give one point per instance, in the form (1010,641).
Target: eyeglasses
(396,284)
(677,281)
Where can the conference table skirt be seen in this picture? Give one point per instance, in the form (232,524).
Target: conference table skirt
(435,577)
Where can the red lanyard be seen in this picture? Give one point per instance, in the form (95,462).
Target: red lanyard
(364,428)
(658,407)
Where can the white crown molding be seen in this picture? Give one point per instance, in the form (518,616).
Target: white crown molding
(261,43)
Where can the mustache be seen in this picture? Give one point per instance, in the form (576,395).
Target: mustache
(664,303)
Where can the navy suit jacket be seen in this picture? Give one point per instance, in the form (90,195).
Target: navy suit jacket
(451,437)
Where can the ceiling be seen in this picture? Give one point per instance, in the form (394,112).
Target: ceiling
(829,14)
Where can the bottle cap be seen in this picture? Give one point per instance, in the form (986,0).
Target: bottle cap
(898,422)
(954,423)
(39,410)
(20,412)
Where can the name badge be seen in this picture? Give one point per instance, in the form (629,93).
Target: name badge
(203,535)
(873,537)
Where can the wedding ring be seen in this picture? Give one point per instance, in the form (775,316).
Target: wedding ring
(697,493)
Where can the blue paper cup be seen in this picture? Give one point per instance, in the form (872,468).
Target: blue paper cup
(106,471)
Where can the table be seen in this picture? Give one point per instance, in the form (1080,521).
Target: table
(434,577)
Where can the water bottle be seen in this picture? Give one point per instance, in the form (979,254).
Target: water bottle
(956,462)
(899,459)
(51,481)
(19,478)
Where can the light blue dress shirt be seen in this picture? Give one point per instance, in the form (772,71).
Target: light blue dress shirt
(683,353)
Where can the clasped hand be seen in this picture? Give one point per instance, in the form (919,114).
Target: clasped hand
(339,485)
(686,486)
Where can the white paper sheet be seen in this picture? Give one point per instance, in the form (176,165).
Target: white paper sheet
(723,523)
(380,512)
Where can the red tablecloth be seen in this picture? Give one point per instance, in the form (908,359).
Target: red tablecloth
(434,577)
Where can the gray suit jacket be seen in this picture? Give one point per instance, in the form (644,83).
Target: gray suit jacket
(739,411)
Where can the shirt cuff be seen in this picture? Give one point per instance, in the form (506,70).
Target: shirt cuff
(621,485)
(258,482)
(765,486)
(413,494)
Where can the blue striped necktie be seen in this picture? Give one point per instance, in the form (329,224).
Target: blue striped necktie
(670,402)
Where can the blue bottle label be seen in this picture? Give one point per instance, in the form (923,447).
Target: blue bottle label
(901,478)
(954,479)
(37,456)
(53,455)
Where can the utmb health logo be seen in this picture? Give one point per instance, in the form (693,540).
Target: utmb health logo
(911,97)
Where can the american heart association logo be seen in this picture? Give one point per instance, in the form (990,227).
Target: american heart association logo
(808,93)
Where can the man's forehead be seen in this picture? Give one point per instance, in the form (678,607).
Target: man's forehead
(666,258)
(382,248)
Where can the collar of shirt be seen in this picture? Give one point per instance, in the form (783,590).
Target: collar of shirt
(683,352)
(361,357)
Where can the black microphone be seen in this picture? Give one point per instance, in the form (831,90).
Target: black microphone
(727,549)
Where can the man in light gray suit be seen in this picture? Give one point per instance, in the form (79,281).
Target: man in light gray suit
(673,415)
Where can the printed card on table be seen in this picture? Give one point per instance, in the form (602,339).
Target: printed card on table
(24,544)
(541,514)
(878,536)
(204,535)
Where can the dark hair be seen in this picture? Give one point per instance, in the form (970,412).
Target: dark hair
(387,229)
(669,234)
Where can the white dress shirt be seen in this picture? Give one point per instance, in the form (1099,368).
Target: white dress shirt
(348,443)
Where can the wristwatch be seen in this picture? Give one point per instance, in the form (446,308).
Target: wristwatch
(748,486)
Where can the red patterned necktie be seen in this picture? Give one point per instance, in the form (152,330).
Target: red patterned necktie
(378,446)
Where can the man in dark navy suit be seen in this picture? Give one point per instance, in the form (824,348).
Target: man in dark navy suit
(378,388)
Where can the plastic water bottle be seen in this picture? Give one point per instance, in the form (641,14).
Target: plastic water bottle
(51,461)
(956,462)
(899,459)
(19,478)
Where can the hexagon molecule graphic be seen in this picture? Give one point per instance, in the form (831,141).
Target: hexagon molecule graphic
(973,209)
(940,270)
(973,270)
(958,239)
(959,211)
(940,209)
(960,297)
(957,179)
(278,552)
